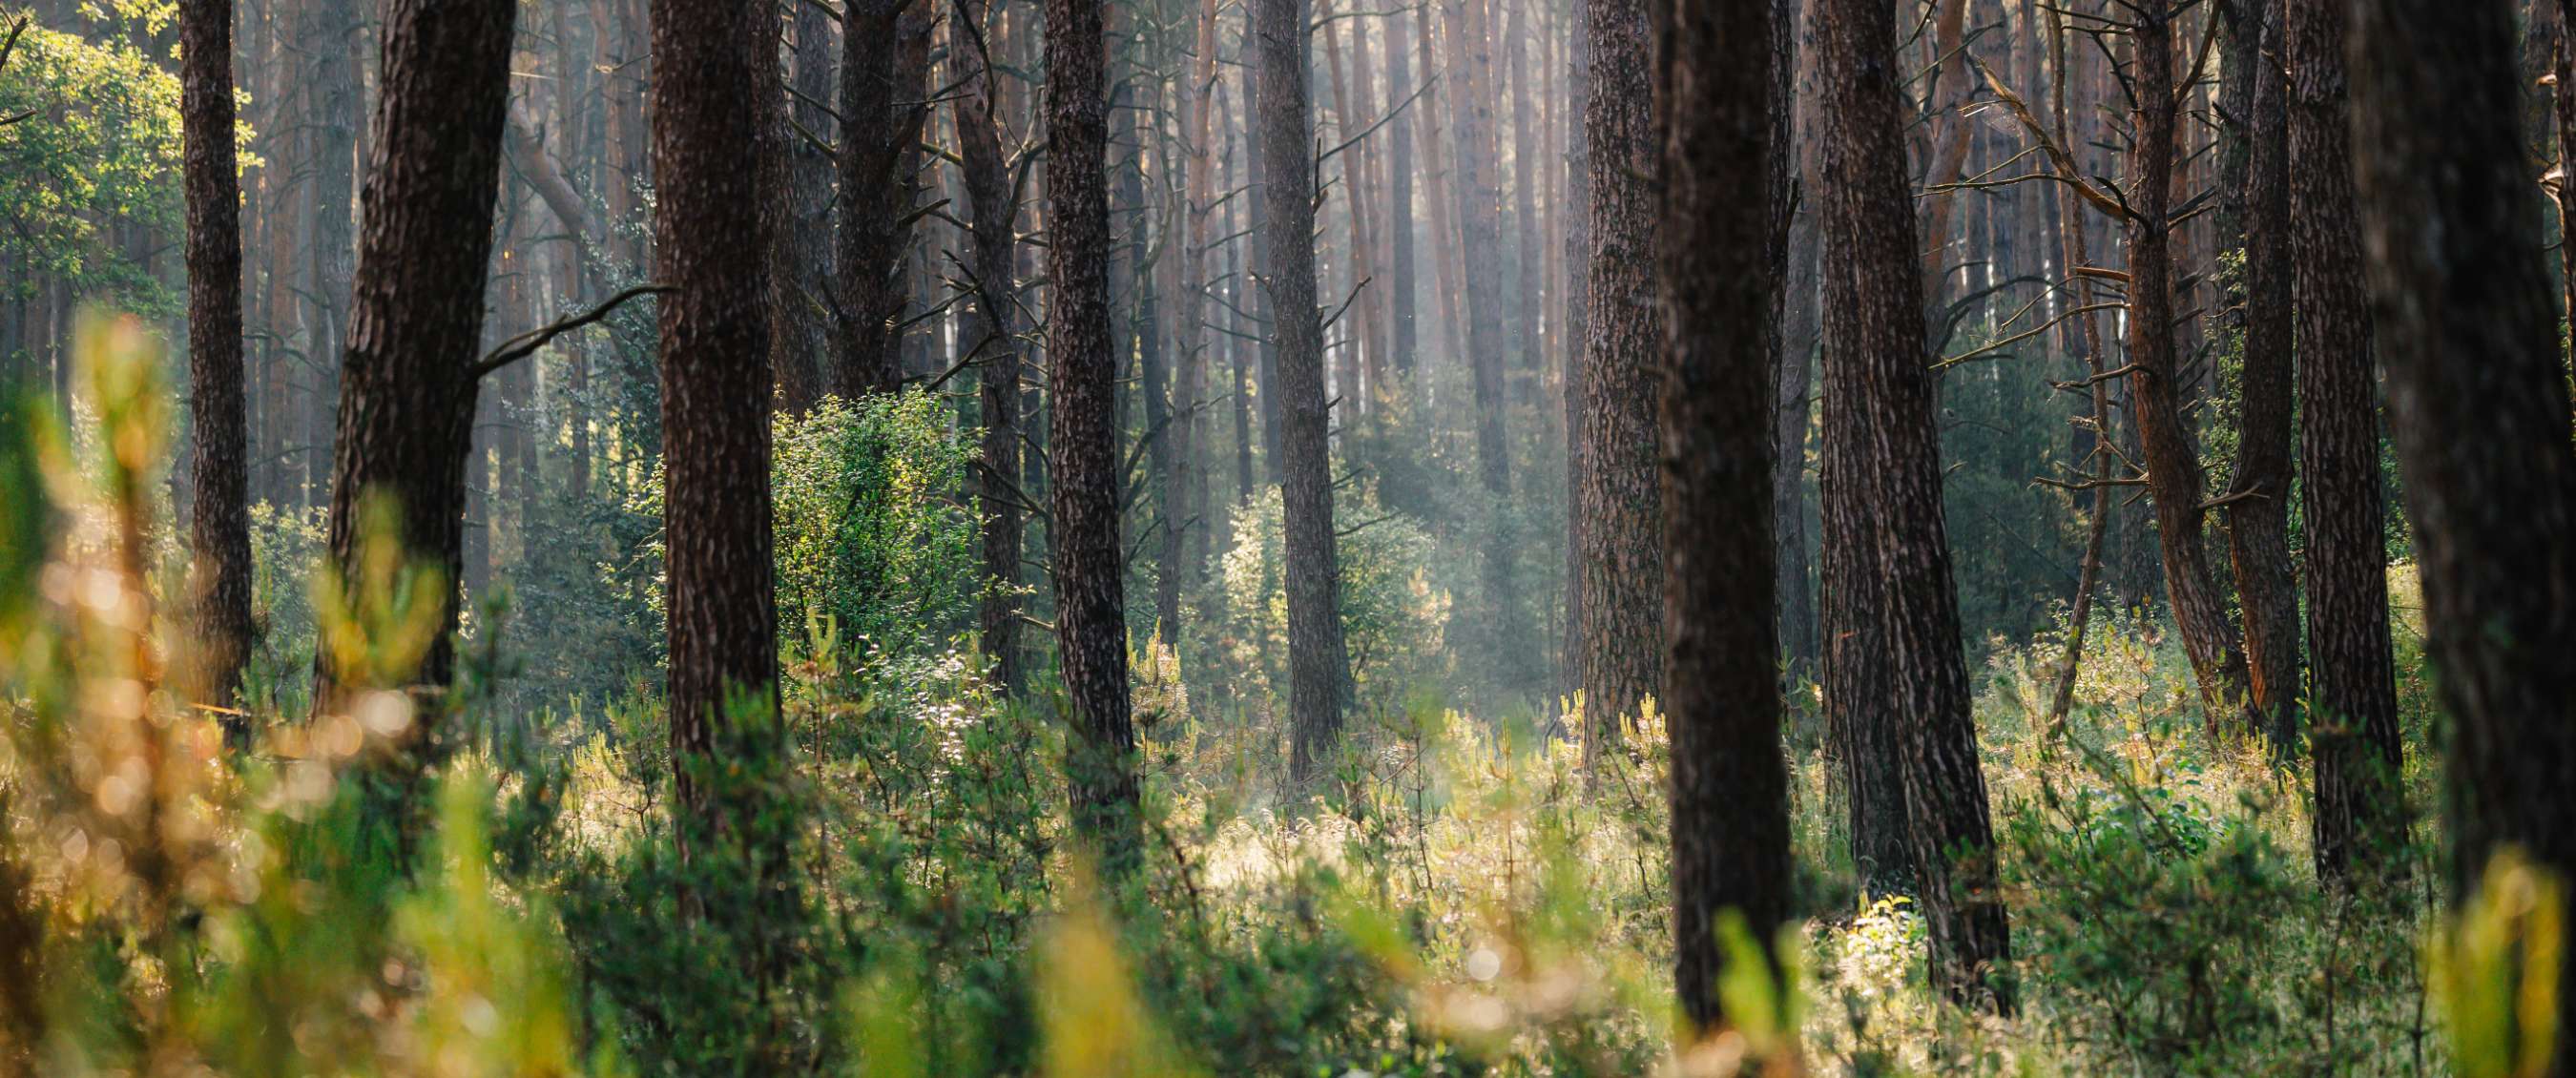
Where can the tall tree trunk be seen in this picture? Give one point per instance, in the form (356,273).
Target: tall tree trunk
(2258,530)
(2360,814)
(2478,393)
(2096,429)
(407,398)
(1730,783)
(1083,472)
(2565,102)
(1479,202)
(2174,482)
(711,245)
(1402,288)
(1801,327)
(1578,319)
(1318,663)
(1883,498)
(800,334)
(1198,195)
(885,56)
(1621,650)
(1527,171)
(993,204)
(334,47)
(218,515)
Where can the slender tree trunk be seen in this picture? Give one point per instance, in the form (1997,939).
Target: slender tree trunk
(1622,570)
(2174,481)
(885,56)
(2096,430)
(407,398)
(987,332)
(1729,792)
(1801,328)
(1402,288)
(336,98)
(800,333)
(2479,397)
(1883,447)
(218,520)
(1526,173)
(1198,195)
(1091,606)
(1578,315)
(2360,814)
(2564,95)
(1319,665)
(2259,519)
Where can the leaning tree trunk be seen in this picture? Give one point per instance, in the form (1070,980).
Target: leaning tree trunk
(1621,651)
(1881,425)
(885,56)
(2480,404)
(2258,518)
(218,515)
(1730,783)
(1083,473)
(2174,482)
(1318,663)
(2360,813)
(993,202)
(407,383)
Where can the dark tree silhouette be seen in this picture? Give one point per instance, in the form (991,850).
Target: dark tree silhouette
(1621,650)
(407,384)
(707,224)
(2258,517)
(1091,603)
(1730,810)
(2352,723)
(218,518)
(992,196)
(1883,504)
(1319,665)
(885,58)
(2478,398)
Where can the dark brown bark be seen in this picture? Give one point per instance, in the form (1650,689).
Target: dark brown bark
(218,516)
(1883,499)
(716,389)
(885,56)
(1318,662)
(407,395)
(1729,792)
(1858,665)
(1578,255)
(987,332)
(2258,531)
(2174,480)
(800,333)
(1620,650)
(2360,813)
(2478,396)
(1091,605)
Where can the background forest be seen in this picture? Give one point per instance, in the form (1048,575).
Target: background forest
(1316,537)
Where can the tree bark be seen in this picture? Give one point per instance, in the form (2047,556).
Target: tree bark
(800,334)
(2258,530)
(2174,481)
(1622,569)
(218,515)
(1318,662)
(1883,499)
(885,56)
(1083,472)
(2479,398)
(407,396)
(2360,813)
(987,331)
(1729,791)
